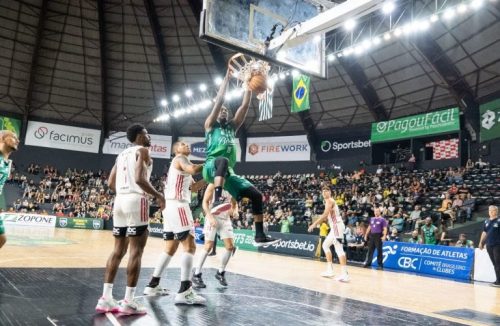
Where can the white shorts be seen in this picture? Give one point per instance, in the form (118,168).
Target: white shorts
(177,217)
(335,238)
(130,210)
(224,228)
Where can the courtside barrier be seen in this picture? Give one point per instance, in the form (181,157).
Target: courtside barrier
(483,267)
(28,219)
(451,262)
(156,230)
(80,223)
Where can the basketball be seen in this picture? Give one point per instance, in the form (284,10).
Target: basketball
(258,83)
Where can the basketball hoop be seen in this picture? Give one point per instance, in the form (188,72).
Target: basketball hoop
(249,72)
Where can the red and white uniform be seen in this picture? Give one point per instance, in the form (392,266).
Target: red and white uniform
(337,228)
(224,227)
(131,206)
(177,216)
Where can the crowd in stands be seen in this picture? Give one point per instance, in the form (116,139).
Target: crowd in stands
(408,199)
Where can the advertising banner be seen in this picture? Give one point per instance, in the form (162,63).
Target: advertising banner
(332,147)
(265,149)
(161,146)
(29,219)
(80,223)
(490,120)
(416,125)
(198,148)
(62,137)
(243,239)
(11,124)
(451,262)
(303,245)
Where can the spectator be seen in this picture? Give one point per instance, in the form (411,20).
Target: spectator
(394,235)
(463,242)
(414,237)
(466,208)
(285,225)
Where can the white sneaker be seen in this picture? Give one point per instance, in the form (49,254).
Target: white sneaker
(189,297)
(328,273)
(105,305)
(156,291)
(131,308)
(343,278)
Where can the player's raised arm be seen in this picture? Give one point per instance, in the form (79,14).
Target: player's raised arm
(241,113)
(219,100)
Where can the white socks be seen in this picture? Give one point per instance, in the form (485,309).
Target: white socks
(186,266)
(225,259)
(107,290)
(203,257)
(162,264)
(129,294)
(343,269)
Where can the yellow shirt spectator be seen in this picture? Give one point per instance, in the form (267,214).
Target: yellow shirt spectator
(323,229)
(386,193)
(333,181)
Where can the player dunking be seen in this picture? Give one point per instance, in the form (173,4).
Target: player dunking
(178,226)
(216,224)
(335,236)
(8,144)
(129,178)
(221,158)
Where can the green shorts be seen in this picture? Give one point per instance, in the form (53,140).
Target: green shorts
(234,184)
(2,229)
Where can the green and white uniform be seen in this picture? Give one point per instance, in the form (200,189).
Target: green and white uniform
(220,142)
(4,175)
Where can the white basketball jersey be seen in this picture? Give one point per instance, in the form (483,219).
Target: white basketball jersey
(125,172)
(178,184)
(334,217)
(227,199)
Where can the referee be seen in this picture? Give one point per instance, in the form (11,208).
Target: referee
(491,236)
(377,230)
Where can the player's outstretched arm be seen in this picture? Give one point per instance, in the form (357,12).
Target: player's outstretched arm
(141,176)
(183,164)
(241,113)
(112,179)
(219,100)
(323,217)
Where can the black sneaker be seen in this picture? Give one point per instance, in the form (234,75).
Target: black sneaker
(221,278)
(496,284)
(220,206)
(234,250)
(212,253)
(264,241)
(198,281)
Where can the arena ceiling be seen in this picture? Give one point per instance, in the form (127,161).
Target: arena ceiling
(107,63)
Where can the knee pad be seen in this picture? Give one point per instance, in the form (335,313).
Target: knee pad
(255,197)
(221,166)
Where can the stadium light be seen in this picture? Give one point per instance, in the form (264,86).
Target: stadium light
(218,80)
(176,98)
(376,40)
(350,24)
(449,13)
(388,7)
(295,73)
(387,36)
(188,93)
(434,18)
(476,4)
(203,87)
(164,102)
(462,8)
(317,39)
(331,57)
(282,76)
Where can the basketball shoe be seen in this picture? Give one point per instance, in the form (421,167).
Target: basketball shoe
(105,305)
(131,308)
(155,291)
(189,297)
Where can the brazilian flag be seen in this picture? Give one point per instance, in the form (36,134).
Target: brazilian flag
(300,93)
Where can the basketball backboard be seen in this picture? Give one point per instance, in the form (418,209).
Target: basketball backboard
(244,26)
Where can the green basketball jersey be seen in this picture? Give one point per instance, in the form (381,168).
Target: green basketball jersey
(221,143)
(4,172)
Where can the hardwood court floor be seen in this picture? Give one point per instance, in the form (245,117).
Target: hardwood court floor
(66,248)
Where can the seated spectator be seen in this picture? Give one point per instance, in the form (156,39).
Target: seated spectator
(445,202)
(449,214)
(443,234)
(398,222)
(453,190)
(463,242)
(481,164)
(463,190)
(469,165)
(394,235)
(414,237)
(466,208)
